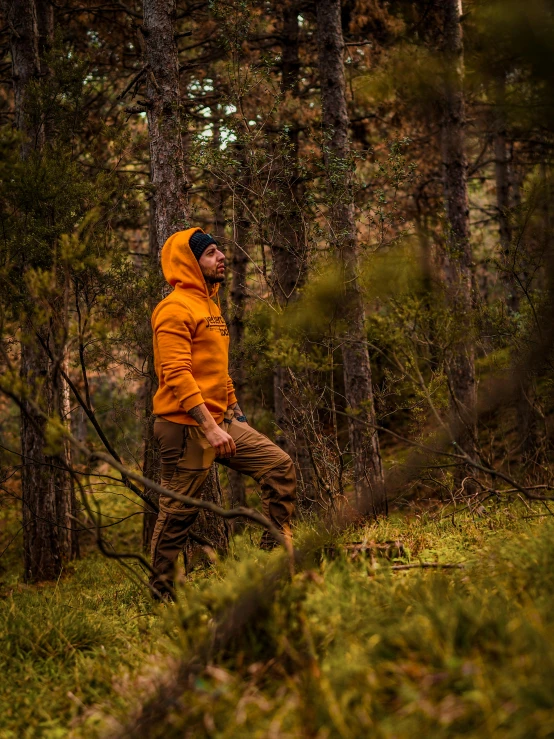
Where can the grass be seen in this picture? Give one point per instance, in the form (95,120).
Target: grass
(61,647)
(347,648)
(64,644)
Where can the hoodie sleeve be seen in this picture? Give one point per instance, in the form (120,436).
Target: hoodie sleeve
(231,397)
(173,330)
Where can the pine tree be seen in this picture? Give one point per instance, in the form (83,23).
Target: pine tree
(170,209)
(458,261)
(47,492)
(368,472)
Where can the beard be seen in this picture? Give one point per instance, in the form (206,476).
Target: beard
(213,277)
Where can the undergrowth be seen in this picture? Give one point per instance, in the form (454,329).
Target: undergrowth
(351,647)
(61,647)
(348,647)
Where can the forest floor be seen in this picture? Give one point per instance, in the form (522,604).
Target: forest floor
(349,647)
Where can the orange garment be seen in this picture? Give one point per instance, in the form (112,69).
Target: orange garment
(191,340)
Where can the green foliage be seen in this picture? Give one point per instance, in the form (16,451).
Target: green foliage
(57,208)
(346,647)
(63,269)
(317,313)
(47,628)
(350,648)
(408,70)
(62,645)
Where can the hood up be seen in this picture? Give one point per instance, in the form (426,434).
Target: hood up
(180,266)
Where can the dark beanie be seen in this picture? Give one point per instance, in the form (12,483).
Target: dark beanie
(199,242)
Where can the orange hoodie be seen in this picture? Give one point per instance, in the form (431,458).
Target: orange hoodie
(191,340)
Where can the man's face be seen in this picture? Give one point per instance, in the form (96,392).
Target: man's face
(212,264)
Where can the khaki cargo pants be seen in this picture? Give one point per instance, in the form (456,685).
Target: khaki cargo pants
(186,458)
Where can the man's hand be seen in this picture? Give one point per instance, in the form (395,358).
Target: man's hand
(219,439)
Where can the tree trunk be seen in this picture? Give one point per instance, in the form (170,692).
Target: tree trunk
(151,466)
(289,253)
(170,209)
(21,17)
(212,531)
(288,250)
(45,23)
(217,189)
(43,557)
(239,268)
(169,204)
(167,160)
(458,261)
(528,417)
(503,200)
(63,482)
(151,453)
(530,420)
(47,497)
(368,472)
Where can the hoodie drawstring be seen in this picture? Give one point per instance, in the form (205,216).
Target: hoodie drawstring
(208,297)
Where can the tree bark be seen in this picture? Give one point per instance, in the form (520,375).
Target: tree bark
(368,471)
(527,412)
(503,188)
(217,188)
(151,453)
(164,112)
(21,17)
(41,550)
(45,29)
(289,251)
(43,557)
(65,486)
(47,495)
(169,203)
(63,482)
(212,531)
(170,209)
(530,420)
(237,307)
(458,261)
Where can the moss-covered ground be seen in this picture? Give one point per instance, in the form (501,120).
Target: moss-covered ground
(348,647)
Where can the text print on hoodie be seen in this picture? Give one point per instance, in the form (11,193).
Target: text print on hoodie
(191,340)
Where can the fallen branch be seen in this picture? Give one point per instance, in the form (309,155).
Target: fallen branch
(463,458)
(92,418)
(120,557)
(207,505)
(385,549)
(429,565)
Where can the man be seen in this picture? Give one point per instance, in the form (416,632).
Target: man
(198,417)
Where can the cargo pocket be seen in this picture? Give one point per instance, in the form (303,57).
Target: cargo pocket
(173,449)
